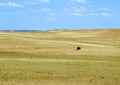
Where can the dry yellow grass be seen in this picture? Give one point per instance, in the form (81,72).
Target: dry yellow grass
(51,58)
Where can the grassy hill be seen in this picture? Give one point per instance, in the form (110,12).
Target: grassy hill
(51,58)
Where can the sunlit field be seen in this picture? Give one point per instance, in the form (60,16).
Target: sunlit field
(51,58)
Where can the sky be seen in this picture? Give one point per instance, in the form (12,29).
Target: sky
(59,14)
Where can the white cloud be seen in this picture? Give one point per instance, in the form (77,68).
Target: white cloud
(11,4)
(92,14)
(37,1)
(75,11)
(104,9)
(46,9)
(47,1)
(105,14)
(83,11)
(76,14)
(80,9)
(77,1)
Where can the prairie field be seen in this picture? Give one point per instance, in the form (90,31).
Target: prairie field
(51,58)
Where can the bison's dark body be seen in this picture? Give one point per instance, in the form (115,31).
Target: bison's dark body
(78,48)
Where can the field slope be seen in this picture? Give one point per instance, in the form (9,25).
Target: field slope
(51,58)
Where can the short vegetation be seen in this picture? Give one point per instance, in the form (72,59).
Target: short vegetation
(52,58)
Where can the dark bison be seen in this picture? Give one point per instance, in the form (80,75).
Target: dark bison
(78,48)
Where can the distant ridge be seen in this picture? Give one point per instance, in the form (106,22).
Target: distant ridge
(57,30)
(19,30)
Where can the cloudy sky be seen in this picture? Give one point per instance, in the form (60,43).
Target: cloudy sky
(59,14)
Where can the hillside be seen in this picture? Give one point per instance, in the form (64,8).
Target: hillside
(92,42)
(50,57)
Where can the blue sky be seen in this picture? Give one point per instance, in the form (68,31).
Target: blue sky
(59,14)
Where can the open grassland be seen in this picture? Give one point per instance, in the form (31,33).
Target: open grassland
(51,58)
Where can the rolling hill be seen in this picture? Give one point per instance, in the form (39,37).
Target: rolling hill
(51,58)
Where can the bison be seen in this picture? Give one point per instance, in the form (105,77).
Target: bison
(78,48)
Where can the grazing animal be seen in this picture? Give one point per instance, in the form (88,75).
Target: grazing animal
(78,48)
